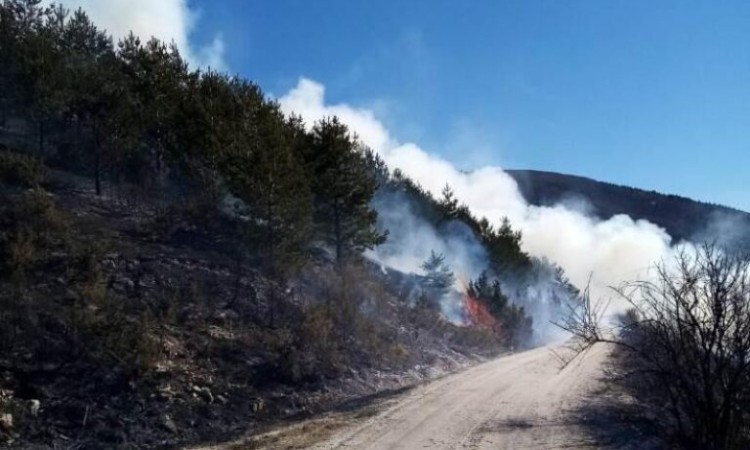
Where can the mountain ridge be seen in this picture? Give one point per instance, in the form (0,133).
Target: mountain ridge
(682,217)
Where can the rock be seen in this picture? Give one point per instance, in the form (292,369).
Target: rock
(166,392)
(228,314)
(169,424)
(70,296)
(257,405)
(6,422)
(34,406)
(123,283)
(203,392)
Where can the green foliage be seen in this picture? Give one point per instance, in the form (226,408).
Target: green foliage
(438,278)
(106,332)
(20,170)
(503,244)
(272,184)
(342,187)
(29,225)
(512,319)
(134,113)
(155,77)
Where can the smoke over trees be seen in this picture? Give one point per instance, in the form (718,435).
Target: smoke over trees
(343,187)
(685,346)
(438,276)
(135,118)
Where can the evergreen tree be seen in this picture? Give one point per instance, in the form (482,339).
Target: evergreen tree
(10,58)
(99,98)
(157,77)
(512,320)
(504,246)
(272,183)
(20,20)
(438,277)
(449,203)
(209,126)
(343,187)
(43,69)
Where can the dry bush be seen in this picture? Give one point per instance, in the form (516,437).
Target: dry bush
(30,226)
(20,170)
(21,253)
(584,320)
(477,338)
(87,322)
(108,329)
(342,326)
(187,214)
(686,346)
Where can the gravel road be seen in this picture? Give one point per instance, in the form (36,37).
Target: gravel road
(523,401)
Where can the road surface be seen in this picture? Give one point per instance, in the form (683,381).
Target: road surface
(523,401)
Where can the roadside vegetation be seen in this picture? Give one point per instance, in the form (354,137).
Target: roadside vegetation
(682,350)
(179,259)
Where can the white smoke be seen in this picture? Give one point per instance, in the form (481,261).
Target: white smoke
(608,252)
(412,239)
(167,20)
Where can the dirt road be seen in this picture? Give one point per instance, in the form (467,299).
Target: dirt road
(521,401)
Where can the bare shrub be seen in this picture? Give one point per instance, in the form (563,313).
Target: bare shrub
(584,320)
(21,170)
(30,225)
(686,340)
(104,328)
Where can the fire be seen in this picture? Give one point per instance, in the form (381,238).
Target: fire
(476,311)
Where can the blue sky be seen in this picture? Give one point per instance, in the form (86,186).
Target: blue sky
(653,94)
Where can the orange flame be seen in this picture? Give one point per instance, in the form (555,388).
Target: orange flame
(476,311)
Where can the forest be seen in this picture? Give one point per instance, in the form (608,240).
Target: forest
(163,225)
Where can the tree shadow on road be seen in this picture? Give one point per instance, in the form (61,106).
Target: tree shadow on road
(613,420)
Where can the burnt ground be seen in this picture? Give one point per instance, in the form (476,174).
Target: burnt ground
(215,354)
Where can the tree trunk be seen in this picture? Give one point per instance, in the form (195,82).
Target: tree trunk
(337,232)
(270,232)
(97,174)
(41,137)
(97,161)
(3,113)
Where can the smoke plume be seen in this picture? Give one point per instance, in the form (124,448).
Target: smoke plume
(608,252)
(167,20)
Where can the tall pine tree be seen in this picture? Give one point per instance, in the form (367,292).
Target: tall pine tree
(342,186)
(267,177)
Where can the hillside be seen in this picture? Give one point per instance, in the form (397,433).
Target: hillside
(136,333)
(181,262)
(681,217)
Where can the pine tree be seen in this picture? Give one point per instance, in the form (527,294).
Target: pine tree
(272,183)
(43,68)
(99,101)
(11,33)
(512,320)
(208,125)
(438,278)
(343,187)
(20,20)
(157,76)
(504,246)
(449,203)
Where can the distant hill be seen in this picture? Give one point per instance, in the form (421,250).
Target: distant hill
(681,217)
